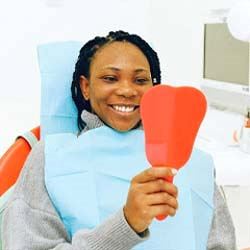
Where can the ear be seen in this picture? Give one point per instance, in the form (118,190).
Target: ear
(84,85)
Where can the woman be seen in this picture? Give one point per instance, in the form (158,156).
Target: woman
(111,75)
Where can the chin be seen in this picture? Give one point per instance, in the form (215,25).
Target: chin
(125,128)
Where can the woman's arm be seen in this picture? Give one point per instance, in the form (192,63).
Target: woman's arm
(30,221)
(222,233)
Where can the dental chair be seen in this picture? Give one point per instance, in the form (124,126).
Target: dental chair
(13,160)
(58,112)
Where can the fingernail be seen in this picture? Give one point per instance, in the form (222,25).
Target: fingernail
(174,171)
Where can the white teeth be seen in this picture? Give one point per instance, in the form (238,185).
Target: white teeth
(123,108)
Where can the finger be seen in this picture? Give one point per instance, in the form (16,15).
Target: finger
(162,198)
(166,210)
(154,173)
(158,185)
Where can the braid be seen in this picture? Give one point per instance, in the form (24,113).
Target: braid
(82,68)
(87,53)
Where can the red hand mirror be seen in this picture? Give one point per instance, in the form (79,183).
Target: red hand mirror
(171,117)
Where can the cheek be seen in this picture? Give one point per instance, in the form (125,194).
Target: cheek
(98,98)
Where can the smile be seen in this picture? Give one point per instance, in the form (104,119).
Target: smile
(123,108)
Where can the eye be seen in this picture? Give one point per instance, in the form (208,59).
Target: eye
(109,79)
(141,80)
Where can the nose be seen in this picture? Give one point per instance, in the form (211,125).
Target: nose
(126,89)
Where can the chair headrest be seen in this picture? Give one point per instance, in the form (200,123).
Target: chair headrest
(56,63)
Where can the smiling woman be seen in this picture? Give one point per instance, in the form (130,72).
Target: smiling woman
(121,64)
(95,190)
(119,76)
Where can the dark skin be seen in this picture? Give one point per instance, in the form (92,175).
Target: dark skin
(119,76)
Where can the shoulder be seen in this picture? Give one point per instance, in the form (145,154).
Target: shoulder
(31,172)
(199,153)
(222,231)
(33,165)
(201,161)
(30,186)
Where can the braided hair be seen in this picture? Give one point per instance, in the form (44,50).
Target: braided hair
(87,53)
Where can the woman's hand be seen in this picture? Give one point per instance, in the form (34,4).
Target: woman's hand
(149,195)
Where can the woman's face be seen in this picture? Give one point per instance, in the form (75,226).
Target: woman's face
(119,76)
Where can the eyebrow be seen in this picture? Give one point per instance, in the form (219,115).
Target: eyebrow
(117,69)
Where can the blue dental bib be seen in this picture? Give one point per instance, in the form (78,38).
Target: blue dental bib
(88,178)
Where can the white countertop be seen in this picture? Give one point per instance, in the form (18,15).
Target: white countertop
(216,137)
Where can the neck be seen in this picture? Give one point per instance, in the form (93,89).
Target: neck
(93,121)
